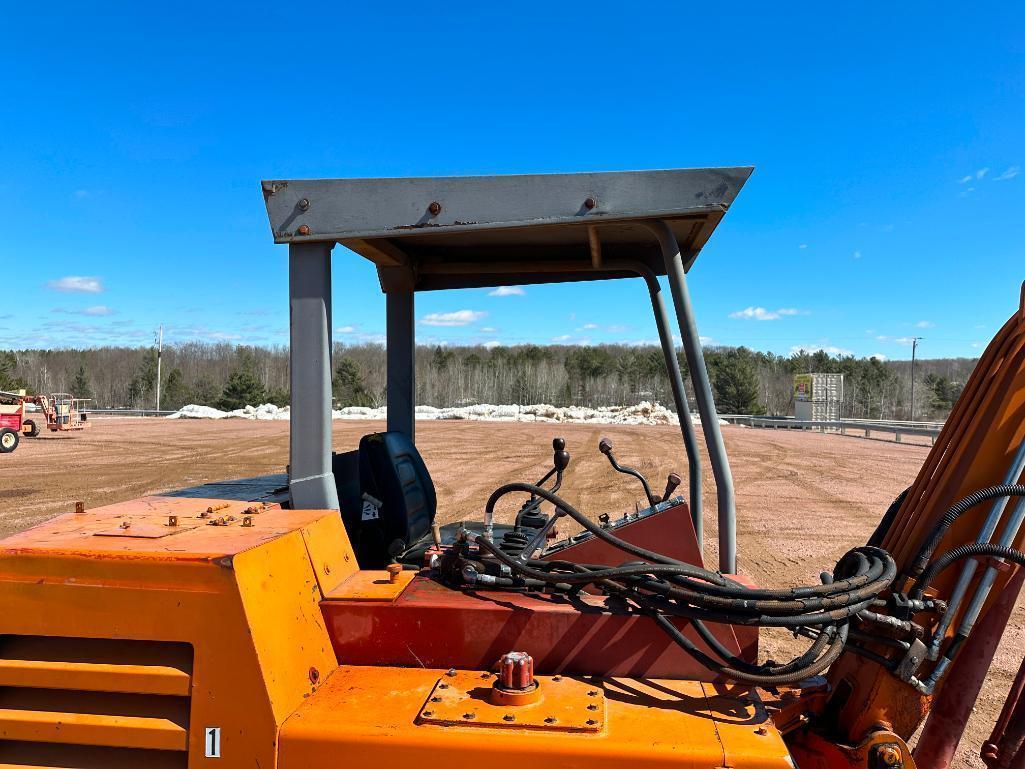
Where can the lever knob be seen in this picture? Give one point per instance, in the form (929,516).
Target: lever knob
(559,444)
(561,460)
(672,482)
(605,446)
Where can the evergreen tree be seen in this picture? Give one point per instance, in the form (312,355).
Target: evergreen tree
(80,384)
(206,392)
(349,388)
(8,381)
(243,388)
(735,384)
(175,393)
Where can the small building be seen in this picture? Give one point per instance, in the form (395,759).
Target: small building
(818,397)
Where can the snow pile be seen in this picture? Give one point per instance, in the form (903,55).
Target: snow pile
(643,413)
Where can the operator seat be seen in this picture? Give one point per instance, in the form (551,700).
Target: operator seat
(392,472)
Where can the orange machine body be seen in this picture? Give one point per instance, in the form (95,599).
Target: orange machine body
(174,632)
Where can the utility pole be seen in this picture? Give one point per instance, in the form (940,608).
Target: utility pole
(160,349)
(914,347)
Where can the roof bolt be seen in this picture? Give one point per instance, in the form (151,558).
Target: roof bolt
(508,717)
(304,204)
(592,693)
(550,719)
(435,699)
(247,521)
(442,686)
(591,722)
(592,706)
(126,524)
(451,673)
(469,716)
(80,507)
(762,731)
(428,713)
(314,675)
(304,229)
(556,678)
(394,570)
(590,203)
(172,520)
(434,208)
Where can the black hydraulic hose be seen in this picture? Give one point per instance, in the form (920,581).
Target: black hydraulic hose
(959,553)
(876,540)
(928,547)
(835,648)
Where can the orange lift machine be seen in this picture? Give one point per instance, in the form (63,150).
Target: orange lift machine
(324,619)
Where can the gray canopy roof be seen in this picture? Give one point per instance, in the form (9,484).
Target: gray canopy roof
(471,231)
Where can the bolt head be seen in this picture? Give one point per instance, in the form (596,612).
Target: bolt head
(304,229)
(889,755)
(508,717)
(590,203)
(428,713)
(550,720)
(434,208)
(314,675)
(304,204)
(451,672)
(469,716)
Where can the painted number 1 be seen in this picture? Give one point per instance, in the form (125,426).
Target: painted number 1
(213,742)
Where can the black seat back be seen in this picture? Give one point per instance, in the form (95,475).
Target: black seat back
(392,471)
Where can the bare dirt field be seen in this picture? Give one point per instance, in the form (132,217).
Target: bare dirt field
(803,498)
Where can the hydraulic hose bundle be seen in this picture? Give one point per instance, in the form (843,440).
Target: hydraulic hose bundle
(665,588)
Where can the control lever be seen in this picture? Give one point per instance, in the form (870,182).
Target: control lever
(560,461)
(605,447)
(672,482)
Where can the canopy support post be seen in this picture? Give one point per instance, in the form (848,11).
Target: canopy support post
(311,483)
(401,376)
(727,512)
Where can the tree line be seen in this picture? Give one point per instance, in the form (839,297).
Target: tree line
(229,376)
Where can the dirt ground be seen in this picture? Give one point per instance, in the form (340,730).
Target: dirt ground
(803,499)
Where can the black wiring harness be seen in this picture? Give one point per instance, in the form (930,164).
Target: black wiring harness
(664,588)
(845,611)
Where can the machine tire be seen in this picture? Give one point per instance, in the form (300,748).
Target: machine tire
(29,428)
(9,440)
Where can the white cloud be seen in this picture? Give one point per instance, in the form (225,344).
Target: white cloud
(80,194)
(981,172)
(492,344)
(562,338)
(617,329)
(760,313)
(828,349)
(589,327)
(223,335)
(488,330)
(965,179)
(857,254)
(803,245)
(507,291)
(976,345)
(345,330)
(76,284)
(925,324)
(96,311)
(877,356)
(1010,173)
(903,340)
(457,318)
(705,340)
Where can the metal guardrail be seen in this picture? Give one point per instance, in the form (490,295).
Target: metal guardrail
(127,413)
(897,428)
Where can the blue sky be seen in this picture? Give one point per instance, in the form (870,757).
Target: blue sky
(888,140)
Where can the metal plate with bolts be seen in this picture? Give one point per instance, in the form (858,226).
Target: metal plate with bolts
(463,698)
